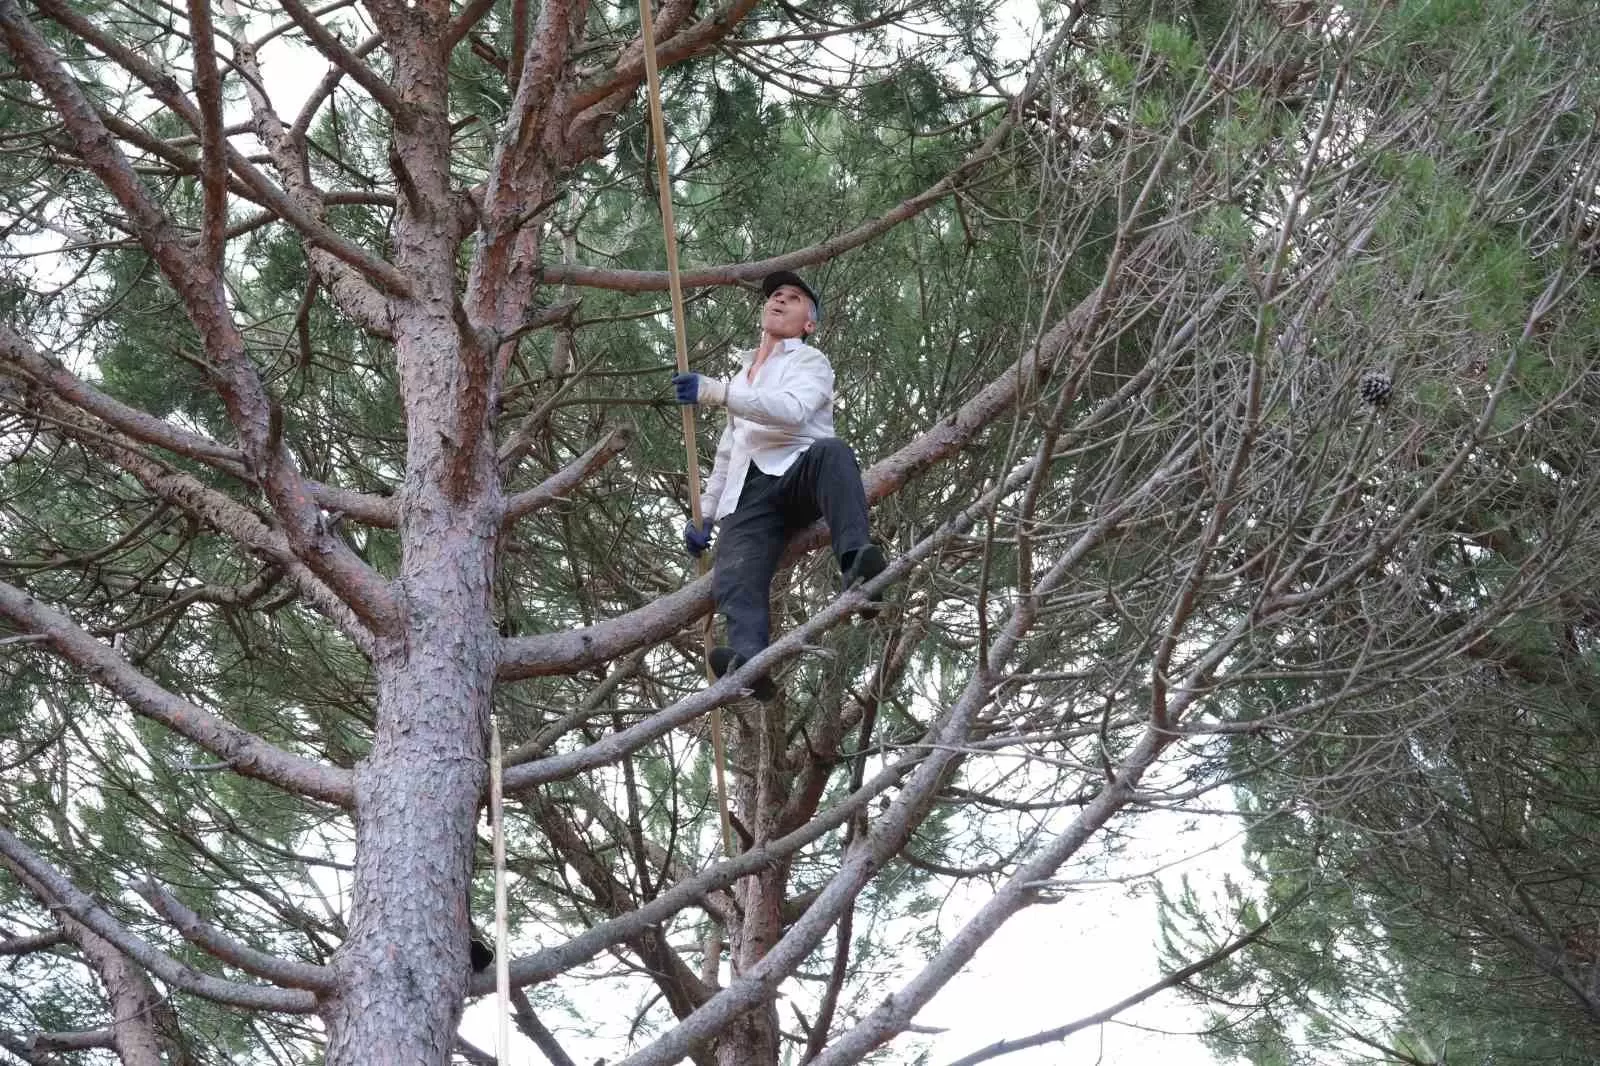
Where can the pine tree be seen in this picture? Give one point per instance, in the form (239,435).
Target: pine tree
(332,434)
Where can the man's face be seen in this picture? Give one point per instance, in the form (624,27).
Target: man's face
(787,313)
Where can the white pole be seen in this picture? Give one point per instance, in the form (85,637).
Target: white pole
(502,952)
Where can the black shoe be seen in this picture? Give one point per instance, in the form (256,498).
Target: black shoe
(725,660)
(864,565)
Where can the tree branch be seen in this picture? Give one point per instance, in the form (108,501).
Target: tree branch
(213,145)
(138,1010)
(330,46)
(671,47)
(24,1050)
(749,273)
(247,753)
(22,361)
(64,895)
(614,746)
(211,507)
(503,272)
(681,987)
(462,24)
(535,1030)
(349,285)
(24,945)
(204,299)
(1172,980)
(558,485)
(80,1041)
(285,972)
(165,89)
(547,963)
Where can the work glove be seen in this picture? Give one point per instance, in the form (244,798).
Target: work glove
(695,540)
(699,389)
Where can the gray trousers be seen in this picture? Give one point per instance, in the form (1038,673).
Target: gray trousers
(825,481)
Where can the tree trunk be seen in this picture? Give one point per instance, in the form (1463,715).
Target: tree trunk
(404,967)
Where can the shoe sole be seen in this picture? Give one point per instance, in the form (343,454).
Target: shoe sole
(762,689)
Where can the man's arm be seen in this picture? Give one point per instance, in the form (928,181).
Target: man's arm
(806,389)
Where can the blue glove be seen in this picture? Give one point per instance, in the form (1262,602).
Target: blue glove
(695,540)
(697,388)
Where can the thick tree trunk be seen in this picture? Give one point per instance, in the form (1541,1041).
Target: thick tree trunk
(753,1039)
(403,969)
(404,966)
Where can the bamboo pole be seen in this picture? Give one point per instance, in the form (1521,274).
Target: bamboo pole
(658,130)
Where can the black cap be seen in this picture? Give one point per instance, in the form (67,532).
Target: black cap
(779,278)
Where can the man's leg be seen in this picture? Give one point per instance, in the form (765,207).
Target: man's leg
(826,481)
(751,540)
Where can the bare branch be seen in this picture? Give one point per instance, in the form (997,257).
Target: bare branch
(1171,980)
(24,362)
(547,963)
(347,61)
(63,894)
(671,47)
(165,89)
(285,972)
(535,1030)
(751,272)
(28,365)
(204,299)
(464,21)
(213,153)
(211,507)
(244,751)
(558,485)
(23,945)
(84,1041)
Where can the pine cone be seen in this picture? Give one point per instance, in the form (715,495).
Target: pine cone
(1376,388)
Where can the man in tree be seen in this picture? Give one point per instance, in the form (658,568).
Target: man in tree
(778,468)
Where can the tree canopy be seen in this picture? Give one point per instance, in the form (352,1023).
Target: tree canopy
(1223,380)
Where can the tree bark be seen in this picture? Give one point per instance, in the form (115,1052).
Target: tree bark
(404,967)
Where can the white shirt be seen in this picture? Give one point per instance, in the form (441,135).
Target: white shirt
(770,421)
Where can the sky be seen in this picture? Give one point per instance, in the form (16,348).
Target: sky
(1048,966)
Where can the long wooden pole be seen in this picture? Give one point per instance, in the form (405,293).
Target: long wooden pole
(658,130)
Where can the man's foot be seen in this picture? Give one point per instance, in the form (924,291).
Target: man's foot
(861,566)
(725,660)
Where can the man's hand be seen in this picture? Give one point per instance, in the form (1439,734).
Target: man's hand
(699,389)
(695,540)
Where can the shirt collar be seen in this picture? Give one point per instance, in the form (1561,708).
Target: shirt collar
(788,344)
